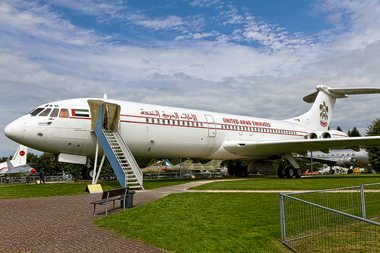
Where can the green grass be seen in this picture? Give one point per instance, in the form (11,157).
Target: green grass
(304,183)
(204,222)
(72,188)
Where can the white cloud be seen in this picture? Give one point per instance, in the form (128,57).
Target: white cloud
(93,7)
(167,23)
(204,3)
(29,21)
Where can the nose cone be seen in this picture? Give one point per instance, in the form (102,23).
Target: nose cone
(15,130)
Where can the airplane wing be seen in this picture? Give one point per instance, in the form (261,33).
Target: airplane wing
(320,160)
(266,148)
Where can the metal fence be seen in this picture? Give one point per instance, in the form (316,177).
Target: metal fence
(34,179)
(334,220)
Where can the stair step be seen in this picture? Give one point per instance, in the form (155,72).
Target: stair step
(119,150)
(135,187)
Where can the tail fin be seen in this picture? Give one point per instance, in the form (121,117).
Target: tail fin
(319,116)
(214,163)
(9,165)
(19,157)
(168,163)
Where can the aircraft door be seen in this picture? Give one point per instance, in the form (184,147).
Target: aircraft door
(211,125)
(111,114)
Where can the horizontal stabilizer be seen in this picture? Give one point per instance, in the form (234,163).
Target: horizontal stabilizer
(340,93)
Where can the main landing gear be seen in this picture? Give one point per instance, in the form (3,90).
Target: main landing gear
(237,170)
(289,172)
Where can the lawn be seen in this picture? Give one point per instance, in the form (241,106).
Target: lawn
(72,188)
(304,183)
(204,222)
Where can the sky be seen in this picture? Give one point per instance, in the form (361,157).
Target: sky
(255,58)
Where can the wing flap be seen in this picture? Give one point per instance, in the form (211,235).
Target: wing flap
(264,148)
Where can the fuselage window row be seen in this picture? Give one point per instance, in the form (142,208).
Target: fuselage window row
(173,122)
(225,127)
(254,129)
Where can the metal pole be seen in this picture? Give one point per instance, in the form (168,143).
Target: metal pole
(180,167)
(282,218)
(100,168)
(362,197)
(311,156)
(96,161)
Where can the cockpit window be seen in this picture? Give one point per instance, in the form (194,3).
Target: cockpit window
(46,112)
(64,113)
(54,113)
(36,111)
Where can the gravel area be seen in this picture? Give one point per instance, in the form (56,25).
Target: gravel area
(64,224)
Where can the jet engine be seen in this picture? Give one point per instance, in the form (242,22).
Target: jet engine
(344,161)
(326,134)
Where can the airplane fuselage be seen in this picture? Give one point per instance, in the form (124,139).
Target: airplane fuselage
(152,131)
(339,157)
(149,130)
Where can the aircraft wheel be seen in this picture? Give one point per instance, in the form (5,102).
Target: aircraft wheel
(289,172)
(350,171)
(88,173)
(241,170)
(297,173)
(281,172)
(231,170)
(331,171)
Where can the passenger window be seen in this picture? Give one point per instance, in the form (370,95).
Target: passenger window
(45,113)
(36,111)
(64,113)
(54,113)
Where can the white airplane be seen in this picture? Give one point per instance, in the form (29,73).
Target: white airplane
(154,131)
(338,157)
(17,166)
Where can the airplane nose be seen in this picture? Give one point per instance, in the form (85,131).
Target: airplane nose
(15,130)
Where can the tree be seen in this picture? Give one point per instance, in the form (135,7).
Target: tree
(354,132)
(374,151)
(339,128)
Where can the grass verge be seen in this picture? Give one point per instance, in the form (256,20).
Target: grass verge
(304,183)
(204,222)
(72,188)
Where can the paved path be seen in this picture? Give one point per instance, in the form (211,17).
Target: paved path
(64,224)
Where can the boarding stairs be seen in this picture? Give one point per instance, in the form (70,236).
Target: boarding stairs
(119,155)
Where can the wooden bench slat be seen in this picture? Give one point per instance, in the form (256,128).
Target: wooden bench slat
(111,195)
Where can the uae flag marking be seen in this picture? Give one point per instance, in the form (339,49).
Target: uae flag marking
(80,113)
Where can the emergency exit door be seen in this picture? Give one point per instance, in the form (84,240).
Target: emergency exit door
(211,125)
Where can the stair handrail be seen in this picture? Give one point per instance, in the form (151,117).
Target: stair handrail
(135,167)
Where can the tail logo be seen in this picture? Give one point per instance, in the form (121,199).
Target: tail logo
(324,114)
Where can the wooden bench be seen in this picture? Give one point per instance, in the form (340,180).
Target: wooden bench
(112,195)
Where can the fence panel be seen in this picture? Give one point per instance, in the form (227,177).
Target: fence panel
(372,200)
(332,220)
